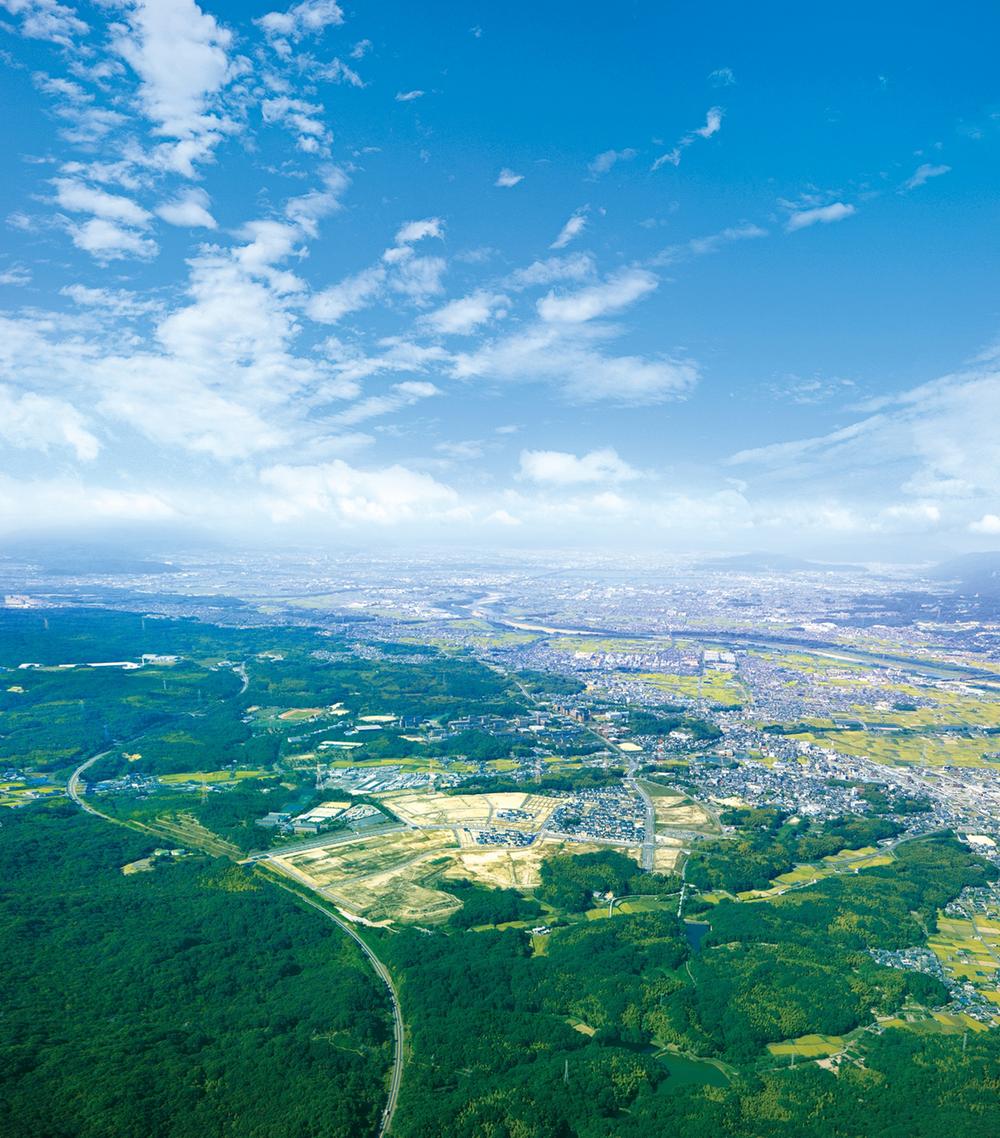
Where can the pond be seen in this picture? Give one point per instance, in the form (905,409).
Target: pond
(686,1072)
(695,932)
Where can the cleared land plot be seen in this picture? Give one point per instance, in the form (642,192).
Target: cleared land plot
(405,876)
(435,809)
(213,776)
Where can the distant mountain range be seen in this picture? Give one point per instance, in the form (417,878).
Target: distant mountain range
(974,573)
(772,563)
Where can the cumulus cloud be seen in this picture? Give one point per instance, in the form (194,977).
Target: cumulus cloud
(988,525)
(39,422)
(722,77)
(924,173)
(189,210)
(46,20)
(349,295)
(106,241)
(611,295)
(604,161)
(573,228)
(464,315)
(573,267)
(507,178)
(302,118)
(345,493)
(180,55)
(310,18)
(80,198)
(819,215)
(561,468)
(411,232)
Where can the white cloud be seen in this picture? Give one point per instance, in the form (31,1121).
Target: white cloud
(412,231)
(79,198)
(350,295)
(722,77)
(573,228)
(560,468)
(924,173)
(459,317)
(345,493)
(712,243)
(603,162)
(117,303)
(16,275)
(713,124)
(302,118)
(179,53)
(311,17)
(189,210)
(419,278)
(819,215)
(574,267)
(612,295)
(68,502)
(39,422)
(46,20)
(105,241)
(336,71)
(361,49)
(399,396)
(408,96)
(570,357)
(507,178)
(988,525)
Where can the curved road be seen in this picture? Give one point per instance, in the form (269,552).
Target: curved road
(73,790)
(397,1015)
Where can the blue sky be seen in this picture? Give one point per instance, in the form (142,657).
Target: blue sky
(640,276)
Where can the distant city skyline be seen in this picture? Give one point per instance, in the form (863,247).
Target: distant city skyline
(498,276)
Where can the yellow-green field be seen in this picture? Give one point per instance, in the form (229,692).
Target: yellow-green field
(846,861)
(809,1046)
(716,687)
(893,749)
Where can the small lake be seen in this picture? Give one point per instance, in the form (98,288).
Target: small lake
(695,932)
(686,1072)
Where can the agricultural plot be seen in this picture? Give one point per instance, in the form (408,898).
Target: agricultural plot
(720,688)
(969,952)
(895,748)
(846,861)
(809,1046)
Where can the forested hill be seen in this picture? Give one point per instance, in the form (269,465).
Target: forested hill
(182,1002)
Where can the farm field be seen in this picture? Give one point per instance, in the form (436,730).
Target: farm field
(809,1046)
(846,861)
(720,688)
(897,748)
(969,951)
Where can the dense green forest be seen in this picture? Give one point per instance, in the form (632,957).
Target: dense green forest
(568,1043)
(188,1001)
